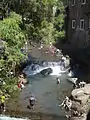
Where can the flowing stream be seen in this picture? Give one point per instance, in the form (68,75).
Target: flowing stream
(48,94)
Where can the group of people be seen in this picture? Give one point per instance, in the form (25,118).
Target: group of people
(21,83)
(79,85)
(52,50)
(66,104)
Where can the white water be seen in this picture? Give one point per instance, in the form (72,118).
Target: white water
(2,117)
(55,66)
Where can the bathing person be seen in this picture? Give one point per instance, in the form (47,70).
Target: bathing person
(41,46)
(82,84)
(63,104)
(32,101)
(22,85)
(67,104)
(62,65)
(58,80)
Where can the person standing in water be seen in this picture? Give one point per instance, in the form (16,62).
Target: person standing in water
(58,80)
(32,101)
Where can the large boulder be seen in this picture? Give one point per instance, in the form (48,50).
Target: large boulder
(87,89)
(80,104)
(80,92)
(46,72)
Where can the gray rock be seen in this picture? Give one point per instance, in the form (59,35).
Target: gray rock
(83,117)
(79,103)
(87,89)
(81,94)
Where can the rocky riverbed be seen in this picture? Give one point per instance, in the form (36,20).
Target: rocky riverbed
(80,103)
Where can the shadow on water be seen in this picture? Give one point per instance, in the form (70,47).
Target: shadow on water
(77,56)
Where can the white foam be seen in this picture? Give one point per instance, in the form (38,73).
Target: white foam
(2,117)
(56,70)
(55,66)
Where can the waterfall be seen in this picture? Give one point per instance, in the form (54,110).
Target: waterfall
(37,68)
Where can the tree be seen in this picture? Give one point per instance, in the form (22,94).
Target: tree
(13,39)
(43,19)
(35,12)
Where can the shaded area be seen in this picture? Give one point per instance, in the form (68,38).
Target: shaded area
(77,56)
(88,115)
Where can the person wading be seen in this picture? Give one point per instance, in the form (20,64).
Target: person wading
(58,81)
(32,101)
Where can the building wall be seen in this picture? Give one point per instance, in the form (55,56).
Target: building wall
(78,37)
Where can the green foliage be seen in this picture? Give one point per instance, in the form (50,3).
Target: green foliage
(16,17)
(10,30)
(44,20)
(46,32)
(13,39)
(35,12)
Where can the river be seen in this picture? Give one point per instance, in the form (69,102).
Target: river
(48,96)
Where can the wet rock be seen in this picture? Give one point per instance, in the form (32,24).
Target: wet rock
(46,72)
(87,89)
(81,94)
(80,102)
(83,117)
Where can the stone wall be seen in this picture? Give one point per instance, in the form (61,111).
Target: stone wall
(78,37)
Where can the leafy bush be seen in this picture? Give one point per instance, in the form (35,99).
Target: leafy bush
(14,39)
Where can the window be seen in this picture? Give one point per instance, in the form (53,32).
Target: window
(73,24)
(83,1)
(82,24)
(89,23)
(73,2)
